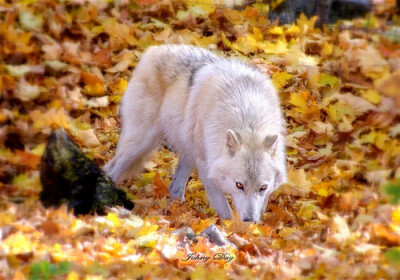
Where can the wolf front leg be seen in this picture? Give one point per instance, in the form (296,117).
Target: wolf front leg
(217,199)
(179,181)
(215,196)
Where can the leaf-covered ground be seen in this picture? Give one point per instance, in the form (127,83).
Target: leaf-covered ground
(67,63)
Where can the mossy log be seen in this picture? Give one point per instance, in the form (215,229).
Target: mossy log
(68,176)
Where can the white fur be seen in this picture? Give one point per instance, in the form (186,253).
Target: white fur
(195,100)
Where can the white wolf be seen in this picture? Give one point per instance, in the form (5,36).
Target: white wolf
(222,116)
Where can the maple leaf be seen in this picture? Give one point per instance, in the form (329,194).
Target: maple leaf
(160,187)
(279,79)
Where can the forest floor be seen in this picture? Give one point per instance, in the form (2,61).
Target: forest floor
(66,64)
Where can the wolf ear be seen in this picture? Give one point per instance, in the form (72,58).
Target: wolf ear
(270,142)
(232,141)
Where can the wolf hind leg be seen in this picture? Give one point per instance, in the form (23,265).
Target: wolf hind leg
(133,150)
(179,181)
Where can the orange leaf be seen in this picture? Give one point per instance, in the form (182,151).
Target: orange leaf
(27,159)
(146,2)
(386,233)
(160,188)
(90,79)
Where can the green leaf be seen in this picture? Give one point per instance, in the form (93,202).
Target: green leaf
(46,270)
(393,255)
(64,268)
(393,190)
(40,271)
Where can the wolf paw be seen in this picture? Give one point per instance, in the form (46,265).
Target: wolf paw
(176,191)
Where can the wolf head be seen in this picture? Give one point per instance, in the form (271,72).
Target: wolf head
(250,169)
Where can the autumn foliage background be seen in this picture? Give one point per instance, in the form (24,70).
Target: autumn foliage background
(66,64)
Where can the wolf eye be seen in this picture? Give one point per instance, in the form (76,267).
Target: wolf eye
(263,187)
(239,185)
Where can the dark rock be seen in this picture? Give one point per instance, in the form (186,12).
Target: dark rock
(328,11)
(68,176)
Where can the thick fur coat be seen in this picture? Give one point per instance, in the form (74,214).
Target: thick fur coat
(220,115)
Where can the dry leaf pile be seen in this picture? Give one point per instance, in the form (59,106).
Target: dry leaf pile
(67,63)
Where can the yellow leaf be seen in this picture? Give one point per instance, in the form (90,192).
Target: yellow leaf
(17,244)
(207,5)
(6,219)
(306,24)
(73,276)
(286,232)
(257,34)
(147,229)
(148,241)
(94,90)
(201,225)
(299,100)
(396,216)
(298,178)
(296,57)
(84,132)
(380,140)
(280,47)
(306,211)
(326,49)
(324,188)
(276,30)
(199,273)
(113,218)
(54,118)
(292,30)
(115,99)
(338,110)
(206,41)
(372,95)
(279,79)
(246,44)
(325,80)
(119,87)
(374,137)
(218,273)
(389,85)
(121,35)
(225,40)
(146,178)
(233,16)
